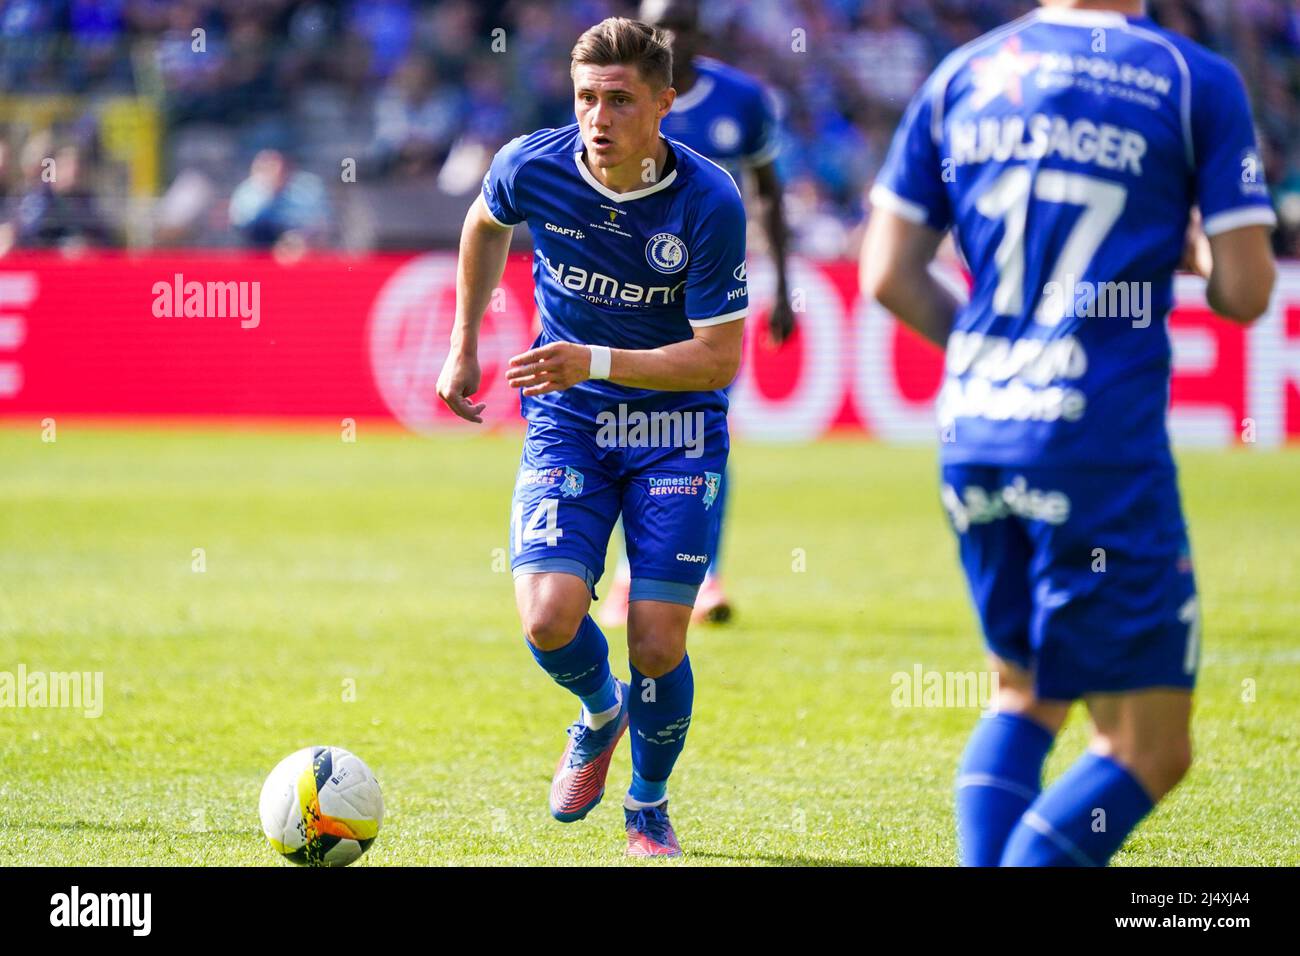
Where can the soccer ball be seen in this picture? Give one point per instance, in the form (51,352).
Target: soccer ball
(321,806)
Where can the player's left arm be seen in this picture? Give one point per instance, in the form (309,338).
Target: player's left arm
(707,361)
(1228,239)
(1238,268)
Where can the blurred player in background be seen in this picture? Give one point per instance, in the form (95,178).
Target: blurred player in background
(724,115)
(639,255)
(1067,150)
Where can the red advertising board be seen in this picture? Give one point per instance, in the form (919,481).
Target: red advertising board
(333,337)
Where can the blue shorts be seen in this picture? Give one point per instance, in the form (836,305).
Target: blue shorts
(571,488)
(1081,576)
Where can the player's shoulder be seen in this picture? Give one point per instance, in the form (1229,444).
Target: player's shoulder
(729,79)
(1202,63)
(536,145)
(962,56)
(705,181)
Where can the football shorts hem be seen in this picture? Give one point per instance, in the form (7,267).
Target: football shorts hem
(652,589)
(558,565)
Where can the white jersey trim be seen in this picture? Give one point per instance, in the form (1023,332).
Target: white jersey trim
(609,194)
(1081,18)
(1231,219)
(719,319)
(886,199)
(493,216)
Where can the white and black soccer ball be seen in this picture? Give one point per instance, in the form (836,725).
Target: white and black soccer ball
(321,806)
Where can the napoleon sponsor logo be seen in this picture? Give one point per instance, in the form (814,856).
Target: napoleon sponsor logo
(606,290)
(564,231)
(666,253)
(74,908)
(1106,70)
(1006,73)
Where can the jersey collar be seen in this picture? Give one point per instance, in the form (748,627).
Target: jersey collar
(608,193)
(1068,16)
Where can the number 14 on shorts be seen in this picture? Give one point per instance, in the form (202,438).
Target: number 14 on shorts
(543,525)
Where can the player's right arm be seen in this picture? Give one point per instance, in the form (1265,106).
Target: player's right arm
(895,271)
(910,214)
(484,244)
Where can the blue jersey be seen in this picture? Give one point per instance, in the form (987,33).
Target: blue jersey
(1066,151)
(726,116)
(633,270)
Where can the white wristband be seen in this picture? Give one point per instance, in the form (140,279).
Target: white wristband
(600,361)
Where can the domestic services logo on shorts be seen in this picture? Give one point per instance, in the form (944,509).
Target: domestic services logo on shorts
(567,478)
(666,253)
(572,485)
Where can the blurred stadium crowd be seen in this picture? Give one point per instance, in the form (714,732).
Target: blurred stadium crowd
(367,124)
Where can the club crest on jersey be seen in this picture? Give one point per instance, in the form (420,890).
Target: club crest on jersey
(571,487)
(666,253)
(712,482)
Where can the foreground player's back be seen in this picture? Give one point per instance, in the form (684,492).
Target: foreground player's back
(1067,150)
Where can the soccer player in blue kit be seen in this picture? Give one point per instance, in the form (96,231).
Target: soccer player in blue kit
(1079,154)
(639,255)
(725,115)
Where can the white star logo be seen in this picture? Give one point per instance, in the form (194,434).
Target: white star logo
(1000,74)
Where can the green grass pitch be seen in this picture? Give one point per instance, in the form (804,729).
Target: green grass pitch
(371,570)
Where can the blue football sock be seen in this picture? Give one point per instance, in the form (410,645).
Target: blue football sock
(582,666)
(1000,776)
(1081,819)
(660,716)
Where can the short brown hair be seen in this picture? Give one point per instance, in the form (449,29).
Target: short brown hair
(620,41)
